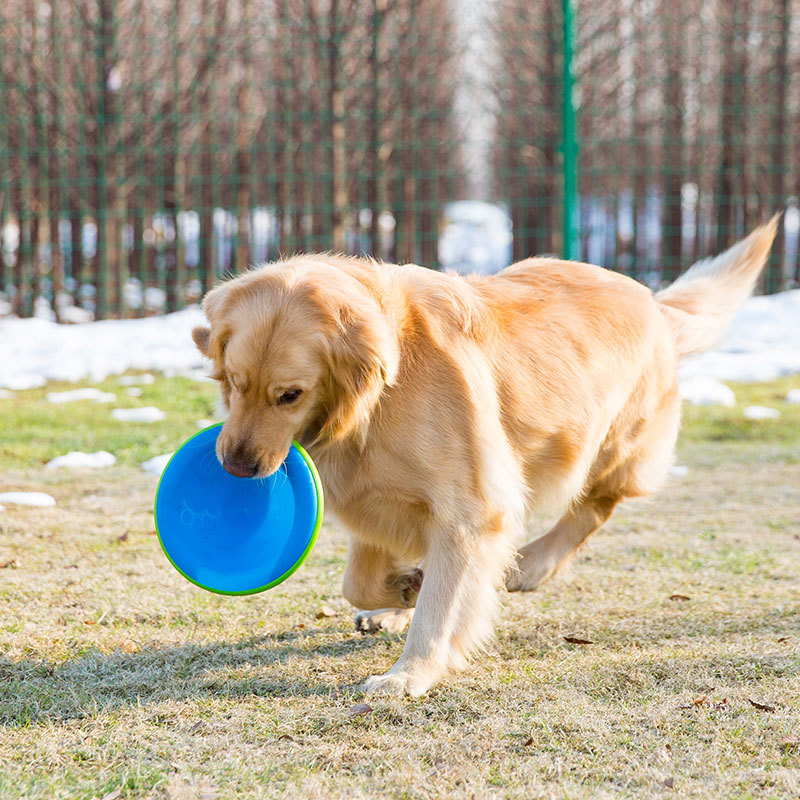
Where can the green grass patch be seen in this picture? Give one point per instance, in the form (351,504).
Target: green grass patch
(33,430)
(719,424)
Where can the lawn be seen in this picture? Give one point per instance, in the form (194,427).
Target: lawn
(120,679)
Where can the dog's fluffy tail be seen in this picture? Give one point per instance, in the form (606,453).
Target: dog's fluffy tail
(701,304)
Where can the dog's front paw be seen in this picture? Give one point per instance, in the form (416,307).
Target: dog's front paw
(397,684)
(391,620)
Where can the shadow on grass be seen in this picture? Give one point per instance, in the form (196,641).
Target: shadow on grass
(34,691)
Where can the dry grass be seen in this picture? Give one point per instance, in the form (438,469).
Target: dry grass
(116,674)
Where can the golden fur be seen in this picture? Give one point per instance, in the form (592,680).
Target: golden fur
(441,411)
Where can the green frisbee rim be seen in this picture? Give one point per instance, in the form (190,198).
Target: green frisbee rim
(289,572)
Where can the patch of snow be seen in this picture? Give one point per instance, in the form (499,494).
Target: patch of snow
(75,314)
(760,346)
(157,464)
(679,470)
(133,391)
(199,375)
(2,508)
(133,380)
(19,381)
(74,395)
(793,396)
(761,412)
(144,414)
(33,351)
(28,499)
(78,459)
(205,423)
(5,394)
(706,391)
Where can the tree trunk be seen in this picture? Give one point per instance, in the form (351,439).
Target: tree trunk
(778,141)
(672,137)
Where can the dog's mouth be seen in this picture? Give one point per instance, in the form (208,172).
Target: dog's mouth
(244,467)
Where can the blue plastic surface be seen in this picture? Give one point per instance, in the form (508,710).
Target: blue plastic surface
(236,535)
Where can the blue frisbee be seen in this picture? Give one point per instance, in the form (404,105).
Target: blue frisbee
(236,535)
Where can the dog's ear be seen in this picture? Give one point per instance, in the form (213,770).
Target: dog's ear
(202,335)
(202,338)
(363,360)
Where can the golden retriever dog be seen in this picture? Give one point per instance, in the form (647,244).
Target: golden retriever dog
(442,411)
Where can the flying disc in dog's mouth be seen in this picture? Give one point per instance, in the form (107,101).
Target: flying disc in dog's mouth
(236,535)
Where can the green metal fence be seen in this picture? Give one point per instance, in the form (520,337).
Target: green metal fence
(149,146)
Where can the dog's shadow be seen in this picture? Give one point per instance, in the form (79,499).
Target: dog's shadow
(33,690)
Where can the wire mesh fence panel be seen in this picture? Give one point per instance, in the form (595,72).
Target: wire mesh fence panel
(688,124)
(149,147)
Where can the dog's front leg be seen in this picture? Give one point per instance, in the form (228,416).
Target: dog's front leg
(453,613)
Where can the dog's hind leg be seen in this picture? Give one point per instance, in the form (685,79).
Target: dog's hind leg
(639,473)
(542,558)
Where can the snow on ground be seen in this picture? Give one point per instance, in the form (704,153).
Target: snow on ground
(133,380)
(27,498)
(33,351)
(762,345)
(5,394)
(81,394)
(143,414)
(701,390)
(157,464)
(78,459)
(792,396)
(760,412)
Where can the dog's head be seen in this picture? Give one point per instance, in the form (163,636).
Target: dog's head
(298,354)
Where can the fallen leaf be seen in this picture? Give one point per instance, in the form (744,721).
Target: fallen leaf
(89,622)
(722,705)
(576,640)
(760,706)
(123,538)
(196,727)
(286,737)
(360,709)
(326,611)
(679,597)
(698,701)
(528,743)
(112,795)
(12,563)
(669,783)
(783,639)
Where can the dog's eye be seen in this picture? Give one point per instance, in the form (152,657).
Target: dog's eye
(289,397)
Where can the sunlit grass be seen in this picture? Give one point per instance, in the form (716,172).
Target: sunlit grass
(118,675)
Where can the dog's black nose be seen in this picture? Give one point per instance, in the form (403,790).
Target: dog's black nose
(239,468)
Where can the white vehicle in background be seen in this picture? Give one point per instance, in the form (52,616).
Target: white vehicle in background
(475,237)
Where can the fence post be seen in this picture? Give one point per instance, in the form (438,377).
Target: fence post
(569,141)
